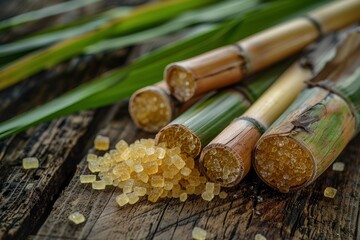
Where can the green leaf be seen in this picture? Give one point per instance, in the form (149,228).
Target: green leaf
(46,39)
(141,18)
(215,13)
(234,30)
(44,13)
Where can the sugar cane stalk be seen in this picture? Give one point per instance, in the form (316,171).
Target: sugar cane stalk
(227,65)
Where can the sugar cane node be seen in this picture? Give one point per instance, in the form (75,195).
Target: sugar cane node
(177,135)
(316,24)
(150,108)
(260,127)
(244,55)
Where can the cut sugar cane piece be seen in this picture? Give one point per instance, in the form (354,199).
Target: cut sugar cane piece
(197,126)
(210,67)
(152,108)
(304,156)
(315,128)
(232,148)
(227,65)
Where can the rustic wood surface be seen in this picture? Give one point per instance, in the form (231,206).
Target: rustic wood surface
(251,207)
(35,204)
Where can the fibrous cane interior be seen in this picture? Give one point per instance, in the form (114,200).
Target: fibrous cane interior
(150,110)
(182,83)
(221,165)
(179,136)
(283,163)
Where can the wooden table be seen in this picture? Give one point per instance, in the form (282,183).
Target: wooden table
(35,204)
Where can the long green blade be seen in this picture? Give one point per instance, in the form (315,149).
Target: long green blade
(45,39)
(142,17)
(44,12)
(251,22)
(215,13)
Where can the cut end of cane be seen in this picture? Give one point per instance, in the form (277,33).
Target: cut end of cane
(221,164)
(176,135)
(181,82)
(150,108)
(283,163)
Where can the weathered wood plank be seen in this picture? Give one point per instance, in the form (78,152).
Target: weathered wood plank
(26,195)
(47,85)
(251,208)
(92,203)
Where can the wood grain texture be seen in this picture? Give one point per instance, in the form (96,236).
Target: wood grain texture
(51,83)
(251,207)
(26,196)
(31,202)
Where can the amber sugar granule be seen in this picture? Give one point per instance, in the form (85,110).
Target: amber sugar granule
(145,169)
(199,233)
(76,218)
(102,143)
(30,163)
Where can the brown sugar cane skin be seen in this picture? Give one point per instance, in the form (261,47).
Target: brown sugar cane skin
(227,65)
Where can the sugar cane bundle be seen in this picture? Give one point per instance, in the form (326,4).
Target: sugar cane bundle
(153,107)
(197,126)
(232,149)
